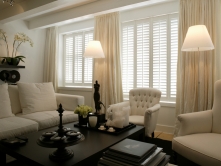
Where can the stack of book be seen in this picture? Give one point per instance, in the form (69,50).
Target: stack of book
(134,153)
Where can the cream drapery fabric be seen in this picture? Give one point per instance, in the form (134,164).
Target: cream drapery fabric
(197,71)
(107,71)
(50,60)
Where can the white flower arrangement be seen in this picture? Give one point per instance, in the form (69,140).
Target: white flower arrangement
(83,110)
(19,38)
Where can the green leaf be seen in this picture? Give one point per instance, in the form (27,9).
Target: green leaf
(20,56)
(22,60)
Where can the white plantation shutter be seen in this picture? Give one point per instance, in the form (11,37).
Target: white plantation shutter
(88,61)
(149,54)
(160,56)
(68,59)
(174,54)
(128,58)
(78,59)
(143,37)
(77,69)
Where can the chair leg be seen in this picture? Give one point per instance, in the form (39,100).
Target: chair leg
(152,134)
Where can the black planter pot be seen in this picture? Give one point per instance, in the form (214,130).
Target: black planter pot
(82,121)
(14,61)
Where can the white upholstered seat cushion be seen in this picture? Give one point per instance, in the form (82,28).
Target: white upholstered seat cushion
(201,148)
(136,119)
(48,119)
(15,126)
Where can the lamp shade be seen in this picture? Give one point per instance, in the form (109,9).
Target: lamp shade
(197,39)
(94,50)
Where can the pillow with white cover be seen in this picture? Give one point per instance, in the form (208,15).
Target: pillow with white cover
(36,97)
(5,104)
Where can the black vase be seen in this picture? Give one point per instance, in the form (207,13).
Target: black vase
(82,121)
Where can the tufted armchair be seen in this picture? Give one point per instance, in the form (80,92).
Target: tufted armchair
(143,107)
(199,136)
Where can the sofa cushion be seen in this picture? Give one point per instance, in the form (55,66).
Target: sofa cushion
(5,109)
(14,98)
(48,119)
(136,119)
(36,97)
(15,126)
(203,148)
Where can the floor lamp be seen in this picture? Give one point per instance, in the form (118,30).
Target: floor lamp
(94,50)
(197,39)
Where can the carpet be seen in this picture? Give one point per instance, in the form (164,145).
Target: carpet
(167,148)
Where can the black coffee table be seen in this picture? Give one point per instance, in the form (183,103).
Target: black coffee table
(87,152)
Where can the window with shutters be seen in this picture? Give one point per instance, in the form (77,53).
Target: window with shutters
(149,54)
(78,70)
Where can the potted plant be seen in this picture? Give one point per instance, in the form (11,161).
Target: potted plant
(19,38)
(83,111)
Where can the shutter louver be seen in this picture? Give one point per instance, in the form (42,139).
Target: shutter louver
(88,62)
(78,59)
(174,55)
(160,56)
(128,59)
(143,38)
(68,60)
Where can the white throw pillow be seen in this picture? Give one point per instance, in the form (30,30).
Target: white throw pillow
(5,104)
(35,97)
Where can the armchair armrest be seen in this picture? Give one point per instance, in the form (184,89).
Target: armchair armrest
(150,119)
(69,102)
(153,109)
(196,122)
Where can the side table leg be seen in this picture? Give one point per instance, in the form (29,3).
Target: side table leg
(2,158)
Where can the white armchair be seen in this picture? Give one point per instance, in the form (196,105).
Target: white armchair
(199,137)
(143,107)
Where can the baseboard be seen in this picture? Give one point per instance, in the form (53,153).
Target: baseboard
(165,129)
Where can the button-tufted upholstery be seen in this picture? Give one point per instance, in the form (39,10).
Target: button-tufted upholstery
(143,106)
(143,98)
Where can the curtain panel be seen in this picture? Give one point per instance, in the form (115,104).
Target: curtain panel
(107,71)
(197,71)
(50,58)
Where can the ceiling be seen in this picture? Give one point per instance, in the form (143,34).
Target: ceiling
(46,13)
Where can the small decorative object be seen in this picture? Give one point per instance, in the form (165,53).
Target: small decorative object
(11,2)
(19,38)
(61,138)
(82,112)
(97,101)
(92,121)
(10,76)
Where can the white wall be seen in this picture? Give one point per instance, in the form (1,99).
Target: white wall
(166,119)
(33,71)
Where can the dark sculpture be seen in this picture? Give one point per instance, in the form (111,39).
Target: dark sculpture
(97,101)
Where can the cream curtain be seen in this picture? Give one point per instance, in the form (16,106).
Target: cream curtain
(197,71)
(107,71)
(50,64)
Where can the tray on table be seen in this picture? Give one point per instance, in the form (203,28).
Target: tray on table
(116,132)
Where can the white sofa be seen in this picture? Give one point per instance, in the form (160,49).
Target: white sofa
(199,137)
(16,123)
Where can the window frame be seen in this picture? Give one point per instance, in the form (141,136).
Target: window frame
(73,83)
(168,18)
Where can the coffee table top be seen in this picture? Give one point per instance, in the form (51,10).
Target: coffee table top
(91,148)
